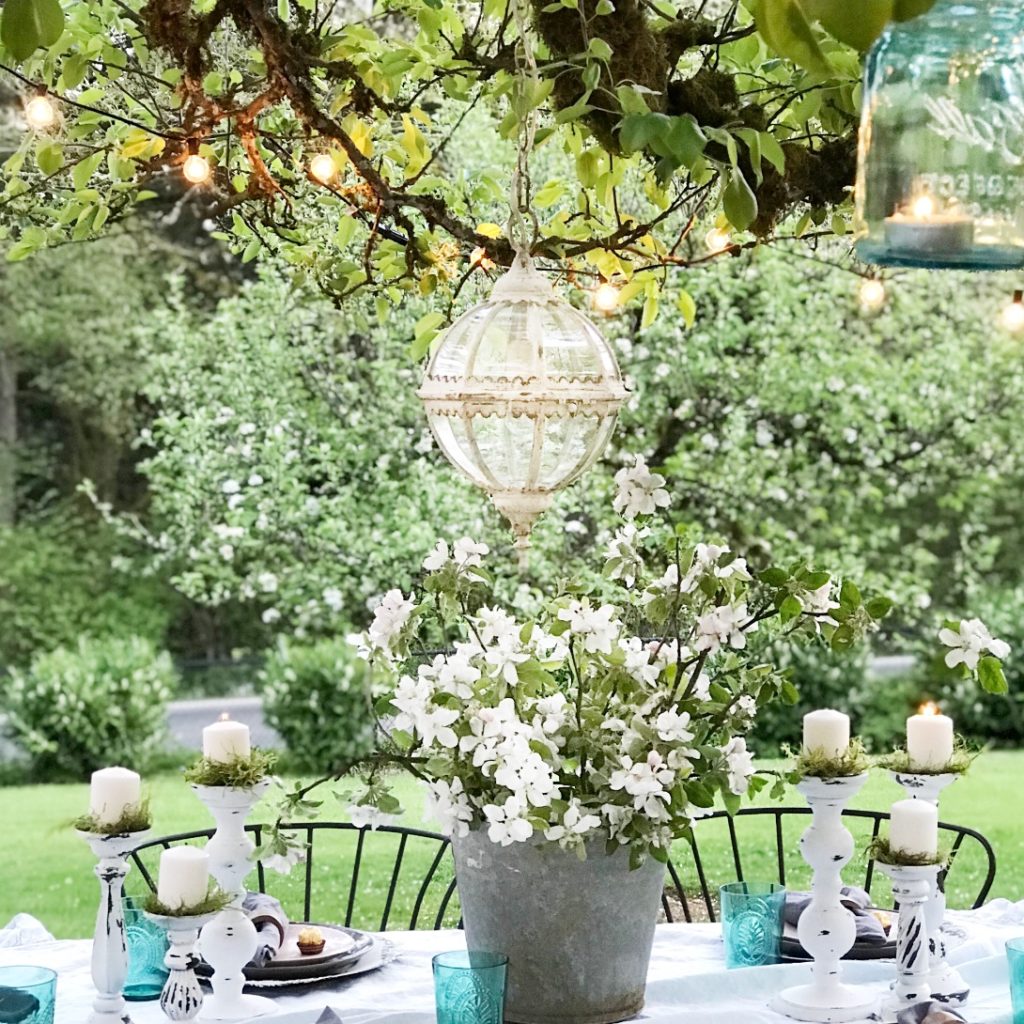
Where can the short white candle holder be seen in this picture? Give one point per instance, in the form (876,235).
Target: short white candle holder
(946,983)
(110,944)
(182,996)
(912,887)
(229,941)
(827,929)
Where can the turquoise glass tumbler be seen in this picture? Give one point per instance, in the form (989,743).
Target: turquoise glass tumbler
(27,995)
(1015,961)
(469,988)
(752,923)
(147,947)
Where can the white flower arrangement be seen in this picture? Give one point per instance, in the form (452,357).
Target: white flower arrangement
(618,720)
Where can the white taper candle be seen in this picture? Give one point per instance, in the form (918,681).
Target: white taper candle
(113,791)
(827,732)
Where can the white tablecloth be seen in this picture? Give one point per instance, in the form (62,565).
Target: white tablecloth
(687,983)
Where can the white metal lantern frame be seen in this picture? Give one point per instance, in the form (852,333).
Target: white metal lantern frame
(522,395)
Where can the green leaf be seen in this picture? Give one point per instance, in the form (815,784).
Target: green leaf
(990,675)
(879,607)
(688,307)
(784,27)
(772,152)
(425,331)
(849,594)
(790,609)
(739,202)
(858,25)
(788,692)
(774,577)
(49,156)
(28,24)
(842,638)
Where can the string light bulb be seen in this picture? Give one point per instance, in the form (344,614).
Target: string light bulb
(196,169)
(1012,316)
(872,294)
(717,239)
(322,168)
(40,113)
(605,298)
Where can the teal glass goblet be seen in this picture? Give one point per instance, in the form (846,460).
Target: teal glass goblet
(27,995)
(752,923)
(1015,962)
(469,988)
(147,947)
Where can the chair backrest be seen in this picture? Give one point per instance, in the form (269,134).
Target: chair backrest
(390,877)
(404,878)
(762,843)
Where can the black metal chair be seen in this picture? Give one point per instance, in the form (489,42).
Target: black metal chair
(388,877)
(758,839)
(400,877)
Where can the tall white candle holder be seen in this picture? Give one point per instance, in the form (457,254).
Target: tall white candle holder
(912,888)
(182,996)
(229,941)
(827,929)
(946,983)
(110,944)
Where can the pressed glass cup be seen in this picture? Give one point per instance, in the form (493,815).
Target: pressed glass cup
(1015,962)
(469,987)
(752,922)
(27,995)
(147,947)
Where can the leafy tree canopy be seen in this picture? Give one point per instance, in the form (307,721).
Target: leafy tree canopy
(655,115)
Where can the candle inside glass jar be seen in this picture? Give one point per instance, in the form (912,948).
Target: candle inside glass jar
(929,739)
(922,226)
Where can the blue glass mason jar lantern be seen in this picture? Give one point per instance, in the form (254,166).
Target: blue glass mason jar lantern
(940,176)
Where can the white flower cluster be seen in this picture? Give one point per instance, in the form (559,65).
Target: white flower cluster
(571,728)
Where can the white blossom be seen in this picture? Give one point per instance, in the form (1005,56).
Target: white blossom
(673,726)
(230,487)
(507,826)
(448,805)
(438,558)
(368,816)
(270,616)
(333,599)
(597,627)
(267,582)
(970,642)
(575,822)
(723,626)
(640,492)
(467,552)
(739,764)
(226,551)
(389,619)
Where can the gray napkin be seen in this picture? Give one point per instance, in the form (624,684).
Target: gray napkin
(929,1013)
(869,928)
(328,1017)
(271,926)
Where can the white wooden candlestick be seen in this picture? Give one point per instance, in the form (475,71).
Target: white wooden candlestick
(182,996)
(911,889)
(229,941)
(110,944)
(946,983)
(827,929)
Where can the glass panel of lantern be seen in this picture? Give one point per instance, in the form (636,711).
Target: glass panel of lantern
(940,177)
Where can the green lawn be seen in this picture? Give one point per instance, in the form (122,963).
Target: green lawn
(46,870)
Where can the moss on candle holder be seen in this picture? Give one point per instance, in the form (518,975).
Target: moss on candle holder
(962,759)
(238,773)
(880,850)
(136,818)
(215,901)
(817,764)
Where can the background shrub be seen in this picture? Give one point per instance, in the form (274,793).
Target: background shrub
(80,708)
(317,696)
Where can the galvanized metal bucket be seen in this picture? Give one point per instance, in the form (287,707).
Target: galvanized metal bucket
(578,934)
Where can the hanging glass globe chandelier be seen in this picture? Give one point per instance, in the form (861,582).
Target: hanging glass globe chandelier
(940,177)
(522,391)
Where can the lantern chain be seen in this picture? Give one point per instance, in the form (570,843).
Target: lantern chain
(524,103)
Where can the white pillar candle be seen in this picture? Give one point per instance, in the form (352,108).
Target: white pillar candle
(226,740)
(184,877)
(914,828)
(827,732)
(929,739)
(112,792)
